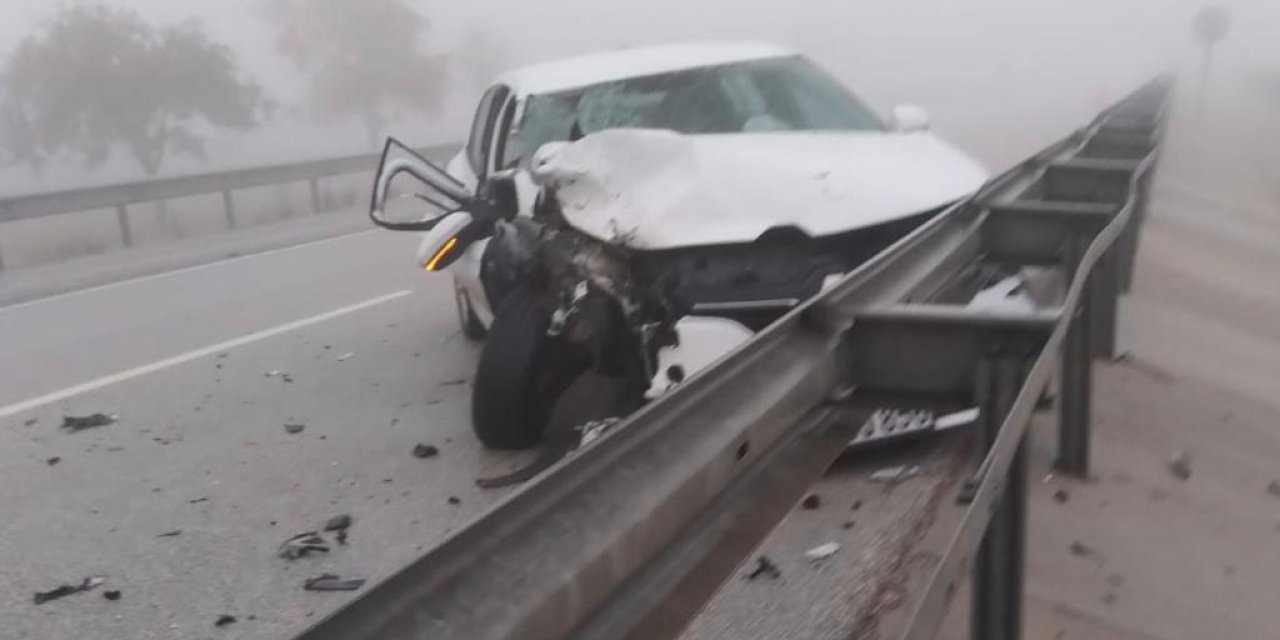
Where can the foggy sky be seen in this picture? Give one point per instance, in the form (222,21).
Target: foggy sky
(1000,77)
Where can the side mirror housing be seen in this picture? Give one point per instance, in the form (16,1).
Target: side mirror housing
(441,246)
(909,118)
(442,191)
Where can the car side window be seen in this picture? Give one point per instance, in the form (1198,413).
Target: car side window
(482,129)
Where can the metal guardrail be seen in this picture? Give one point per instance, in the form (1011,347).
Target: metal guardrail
(630,537)
(121,196)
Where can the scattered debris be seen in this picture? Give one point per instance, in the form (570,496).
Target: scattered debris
(454,500)
(332,582)
(223,356)
(954,420)
(338,523)
(224,620)
(198,500)
(294,428)
(54,460)
(1273,488)
(80,423)
(895,474)
(274,373)
(848,524)
(1061,496)
(811,502)
(1108,598)
(1180,466)
(857,504)
(88,584)
(592,430)
(425,451)
(171,534)
(341,537)
(1082,550)
(454,383)
(765,567)
(822,552)
(111,595)
(346,356)
(302,545)
(30,423)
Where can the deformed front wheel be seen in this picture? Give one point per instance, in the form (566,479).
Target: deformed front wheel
(521,374)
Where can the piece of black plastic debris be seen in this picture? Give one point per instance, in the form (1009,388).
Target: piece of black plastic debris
(294,428)
(1081,550)
(52,461)
(454,500)
(198,500)
(171,534)
(847,525)
(1061,496)
(425,451)
(224,620)
(92,582)
(765,567)
(112,595)
(341,537)
(811,502)
(338,523)
(1180,466)
(857,504)
(302,545)
(30,423)
(332,582)
(80,423)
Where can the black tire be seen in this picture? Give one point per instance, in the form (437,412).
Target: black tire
(520,375)
(472,328)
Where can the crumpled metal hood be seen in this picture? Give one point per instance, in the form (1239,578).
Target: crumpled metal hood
(651,189)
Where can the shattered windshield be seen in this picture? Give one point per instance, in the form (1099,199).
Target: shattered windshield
(782,94)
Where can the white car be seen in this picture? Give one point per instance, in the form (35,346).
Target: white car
(640,213)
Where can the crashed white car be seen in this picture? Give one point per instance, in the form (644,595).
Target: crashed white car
(638,214)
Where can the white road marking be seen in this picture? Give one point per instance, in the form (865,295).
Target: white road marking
(92,385)
(174,272)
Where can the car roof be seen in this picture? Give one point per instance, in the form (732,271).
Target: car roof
(582,71)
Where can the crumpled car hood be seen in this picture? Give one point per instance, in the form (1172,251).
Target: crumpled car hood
(649,189)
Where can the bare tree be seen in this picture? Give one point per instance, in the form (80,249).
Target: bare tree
(94,78)
(362,59)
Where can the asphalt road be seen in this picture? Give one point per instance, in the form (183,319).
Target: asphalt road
(183,359)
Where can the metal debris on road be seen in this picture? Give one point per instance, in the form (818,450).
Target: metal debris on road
(455,500)
(224,620)
(332,582)
(88,584)
(302,545)
(198,500)
(170,534)
(957,419)
(765,567)
(346,356)
(339,522)
(895,474)
(592,430)
(112,595)
(1180,466)
(822,552)
(293,428)
(80,423)
(425,451)
(811,502)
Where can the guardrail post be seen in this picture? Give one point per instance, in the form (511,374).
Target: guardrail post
(1076,379)
(1104,290)
(229,208)
(999,567)
(315,194)
(122,217)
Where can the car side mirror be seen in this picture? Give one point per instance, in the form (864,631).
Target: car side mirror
(909,118)
(442,192)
